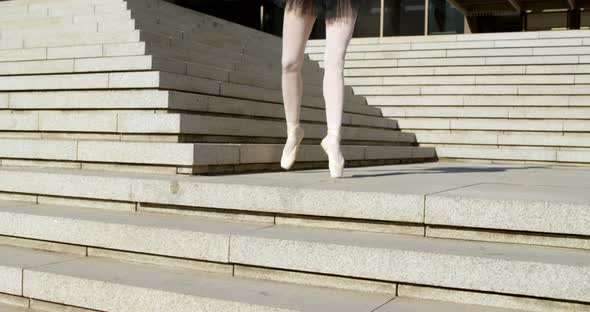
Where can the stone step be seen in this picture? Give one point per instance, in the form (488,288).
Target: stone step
(13,308)
(515,153)
(165,80)
(130,122)
(491,267)
(20,34)
(515,124)
(246,62)
(466,61)
(219,56)
(542,34)
(74,52)
(131,100)
(512,79)
(133,122)
(96,63)
(490,112)
(203,52)
(186,157)
(200,28)
(110,22)
(456,48)
(458,197)
(504,139)
(469,70)
(86,27)
(69,19)
(50,10)
(73,39)
(525,100)
(453,53)
(481,40)
(524,89)
(187,290)
(188,19)
(87,53)
(21,3)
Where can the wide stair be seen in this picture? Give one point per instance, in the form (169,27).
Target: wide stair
(422,237)
(148,86)
(105,230)
(502,97)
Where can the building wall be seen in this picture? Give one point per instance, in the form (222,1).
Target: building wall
(400,18)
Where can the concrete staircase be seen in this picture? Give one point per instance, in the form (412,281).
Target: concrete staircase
(496,237)
(148,86)
(499,97)
(99,118)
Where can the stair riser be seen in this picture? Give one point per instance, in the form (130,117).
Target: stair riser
(481,100)
(468,70)
(462,38)
(437,46)
(495,138)
(476,53)
(581,89)
(44,11)
(579,113)
(187,154)
(121,122)
(163,80)
(494,125)
(255,166)
(154,99)
(202,33)
(554,156)
(468,80)
(526,60)
(78,39)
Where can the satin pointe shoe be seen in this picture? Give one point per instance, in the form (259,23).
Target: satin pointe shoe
(331,145)
(294,137)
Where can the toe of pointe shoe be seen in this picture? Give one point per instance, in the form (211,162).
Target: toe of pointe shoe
(287,160)
(336,168)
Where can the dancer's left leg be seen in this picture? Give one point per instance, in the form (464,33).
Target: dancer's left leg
(338,35)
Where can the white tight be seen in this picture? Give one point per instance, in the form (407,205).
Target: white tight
(296,31)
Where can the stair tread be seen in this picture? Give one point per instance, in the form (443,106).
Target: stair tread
(12,308)
(422,193)
(189,290)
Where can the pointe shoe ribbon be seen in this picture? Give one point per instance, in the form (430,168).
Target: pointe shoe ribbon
(294,138)
(331,145)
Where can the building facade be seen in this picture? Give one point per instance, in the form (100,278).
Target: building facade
(416,17)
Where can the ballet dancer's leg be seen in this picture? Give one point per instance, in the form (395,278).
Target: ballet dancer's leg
(338,35)
(296,30)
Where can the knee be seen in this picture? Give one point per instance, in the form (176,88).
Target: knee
(334,57)
(334,62)
(291,64)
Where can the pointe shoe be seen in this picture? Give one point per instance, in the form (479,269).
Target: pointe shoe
(336,162)
(287,159)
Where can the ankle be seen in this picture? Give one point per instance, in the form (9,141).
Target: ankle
(335,133)
(292,125)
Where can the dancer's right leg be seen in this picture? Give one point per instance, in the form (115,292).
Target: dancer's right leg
(296,30)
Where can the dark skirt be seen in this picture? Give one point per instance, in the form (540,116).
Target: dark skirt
(327,9)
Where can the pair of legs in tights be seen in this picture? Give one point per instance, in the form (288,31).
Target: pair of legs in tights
(296,30)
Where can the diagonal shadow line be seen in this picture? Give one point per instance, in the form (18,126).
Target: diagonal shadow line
(443,170)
